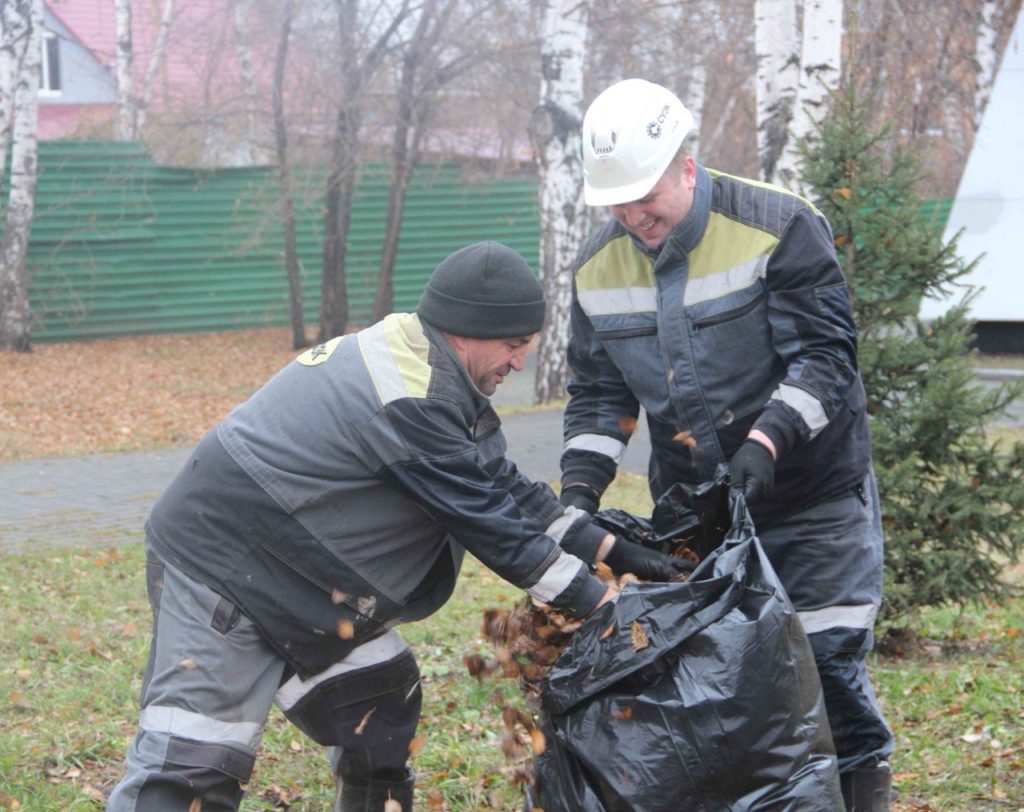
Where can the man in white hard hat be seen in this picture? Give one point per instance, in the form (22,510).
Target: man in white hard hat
(718,305)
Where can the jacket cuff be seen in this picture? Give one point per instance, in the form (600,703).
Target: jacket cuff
(780,424)
(586,591)
(583,537)
(594,471)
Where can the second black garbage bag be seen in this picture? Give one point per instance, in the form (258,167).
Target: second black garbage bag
(699,695)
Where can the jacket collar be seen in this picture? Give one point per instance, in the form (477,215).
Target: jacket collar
(685,236)
(455,370)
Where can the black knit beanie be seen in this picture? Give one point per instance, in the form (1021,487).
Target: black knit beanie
(485,290)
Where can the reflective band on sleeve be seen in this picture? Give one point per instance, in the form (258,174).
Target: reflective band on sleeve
(379,650)
(616,301)
(598,443)
(196,726)
(844,617)
(557,577)
(557,528)
(809,407)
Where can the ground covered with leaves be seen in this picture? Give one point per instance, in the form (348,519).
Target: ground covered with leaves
(132,393)
(76,624)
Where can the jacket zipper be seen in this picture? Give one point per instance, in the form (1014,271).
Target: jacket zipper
(728,315)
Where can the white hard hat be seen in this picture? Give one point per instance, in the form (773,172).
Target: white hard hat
(631,132)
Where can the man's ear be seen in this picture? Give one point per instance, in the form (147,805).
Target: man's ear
(457,342)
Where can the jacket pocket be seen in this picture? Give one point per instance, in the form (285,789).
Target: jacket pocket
(633,331)
(728,315)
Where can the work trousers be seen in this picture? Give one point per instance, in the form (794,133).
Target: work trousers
(829,558)
(208,688)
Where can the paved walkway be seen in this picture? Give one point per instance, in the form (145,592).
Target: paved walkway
(104,498)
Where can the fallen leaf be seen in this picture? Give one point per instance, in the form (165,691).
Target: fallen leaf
(685,438)
(362,724)
(639,636)
(627,425)
(623,715)
(416,746)
(537,741)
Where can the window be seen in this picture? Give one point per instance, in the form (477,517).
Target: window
(50,83)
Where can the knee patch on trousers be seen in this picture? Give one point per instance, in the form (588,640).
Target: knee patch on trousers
(371,713)
(192,769)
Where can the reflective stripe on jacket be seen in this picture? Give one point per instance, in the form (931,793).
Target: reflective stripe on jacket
(741,319)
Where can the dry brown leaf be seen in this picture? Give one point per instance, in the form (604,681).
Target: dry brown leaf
(627,425)
(416,746)
(639,636)
(346,631)
(624,715)
(686,438)
(362,722)
(435,800)
(537,741)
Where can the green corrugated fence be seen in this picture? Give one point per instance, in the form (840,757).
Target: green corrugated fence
(123,246)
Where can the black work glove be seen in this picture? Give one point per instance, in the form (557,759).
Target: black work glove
(752,470)
(644,563)
(579,496)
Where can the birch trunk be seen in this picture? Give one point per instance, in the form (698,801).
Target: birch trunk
(14,30)
(142,106)
(127,112)
(778,75)
(986,57)
(15,313)
(251,152)
(555,130)
(819,75)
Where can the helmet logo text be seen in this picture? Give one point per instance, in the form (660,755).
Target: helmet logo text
(654,127)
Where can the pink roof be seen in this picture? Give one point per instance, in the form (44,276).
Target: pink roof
(200,45)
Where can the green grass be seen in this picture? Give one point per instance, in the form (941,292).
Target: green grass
(76,628)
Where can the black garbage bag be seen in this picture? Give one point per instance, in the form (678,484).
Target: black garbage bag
(699,695)
(697,519)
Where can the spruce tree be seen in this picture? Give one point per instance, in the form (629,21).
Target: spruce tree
(952,498)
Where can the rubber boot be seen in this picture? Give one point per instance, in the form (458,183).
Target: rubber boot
(867,790)
(370,795)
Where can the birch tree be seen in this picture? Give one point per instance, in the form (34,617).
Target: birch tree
(250,150)
(14,31)
(124,69)
(821,41)
(555,132)
(15,312)
(778,76)
(986,57)
(155,58)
